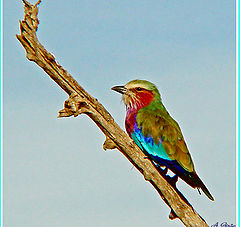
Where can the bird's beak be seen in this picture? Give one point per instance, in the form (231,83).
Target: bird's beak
(120,89)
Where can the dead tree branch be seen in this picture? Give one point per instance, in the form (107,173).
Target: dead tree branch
(81,102)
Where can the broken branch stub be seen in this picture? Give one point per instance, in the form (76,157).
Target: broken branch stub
(74,105)
(109,144)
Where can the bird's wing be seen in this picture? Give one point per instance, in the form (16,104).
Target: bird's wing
(161,136)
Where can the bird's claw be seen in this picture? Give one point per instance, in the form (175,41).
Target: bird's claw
(162,171)
(172,180)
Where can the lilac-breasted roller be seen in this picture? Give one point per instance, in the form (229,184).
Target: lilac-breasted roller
(157,134)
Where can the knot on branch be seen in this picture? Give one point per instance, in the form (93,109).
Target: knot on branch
(147,175)
(75,105)
(109,144)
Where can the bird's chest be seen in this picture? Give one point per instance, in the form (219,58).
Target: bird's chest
(130,122)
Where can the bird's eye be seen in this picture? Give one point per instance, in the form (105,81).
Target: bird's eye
(139,89)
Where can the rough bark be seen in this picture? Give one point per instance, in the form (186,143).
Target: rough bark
(80,102)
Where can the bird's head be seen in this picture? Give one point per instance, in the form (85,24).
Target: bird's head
(138,93)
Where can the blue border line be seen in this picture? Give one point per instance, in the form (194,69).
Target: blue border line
(1,110)
(237,106)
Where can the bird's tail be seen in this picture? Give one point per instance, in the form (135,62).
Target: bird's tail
(200,184)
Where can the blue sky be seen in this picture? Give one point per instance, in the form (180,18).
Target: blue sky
(55,170)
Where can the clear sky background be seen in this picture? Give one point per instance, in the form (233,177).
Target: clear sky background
(55,170)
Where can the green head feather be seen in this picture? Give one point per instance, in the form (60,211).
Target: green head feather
(144,84)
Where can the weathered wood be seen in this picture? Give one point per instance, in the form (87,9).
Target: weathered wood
(82,102)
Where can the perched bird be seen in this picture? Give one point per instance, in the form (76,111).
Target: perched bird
(157,134)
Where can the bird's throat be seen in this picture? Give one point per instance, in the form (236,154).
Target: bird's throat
(139,101)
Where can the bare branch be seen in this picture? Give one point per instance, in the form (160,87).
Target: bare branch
(82,102)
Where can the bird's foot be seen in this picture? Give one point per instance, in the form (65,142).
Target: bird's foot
(164,170)
(161,170)
(172,180)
